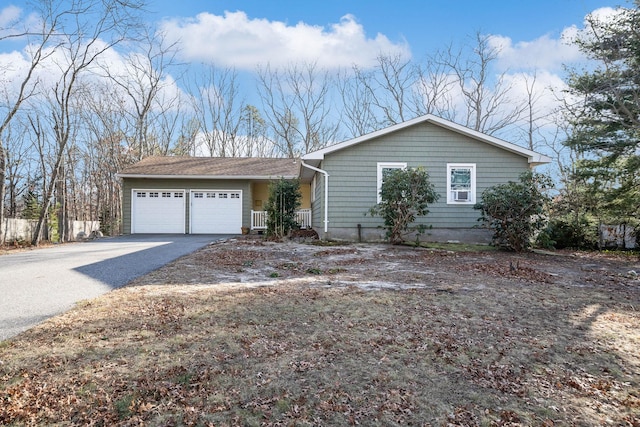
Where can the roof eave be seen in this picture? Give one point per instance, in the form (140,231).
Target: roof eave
(210,177)
(539,159)
(319,154)
(533,157)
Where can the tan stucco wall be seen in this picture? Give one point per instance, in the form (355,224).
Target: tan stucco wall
(260,192)
(305,189)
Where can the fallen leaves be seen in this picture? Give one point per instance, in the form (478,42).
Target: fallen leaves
(479,339)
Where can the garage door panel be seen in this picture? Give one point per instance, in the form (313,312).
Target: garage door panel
(216,212)
(157,211)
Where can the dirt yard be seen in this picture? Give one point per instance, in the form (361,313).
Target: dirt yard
(248,332)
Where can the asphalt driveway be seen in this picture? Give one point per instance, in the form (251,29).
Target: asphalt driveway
(40,283)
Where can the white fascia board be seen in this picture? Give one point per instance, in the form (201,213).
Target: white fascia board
(534,158)
(319,154)
(539,159)
(216,177)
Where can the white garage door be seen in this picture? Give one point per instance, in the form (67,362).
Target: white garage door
(216,212)
(158,211)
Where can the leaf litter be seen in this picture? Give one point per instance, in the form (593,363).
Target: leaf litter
(247,332)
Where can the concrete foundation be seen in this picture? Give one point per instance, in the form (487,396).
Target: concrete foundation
(443,235)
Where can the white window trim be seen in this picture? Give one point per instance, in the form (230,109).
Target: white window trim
(312,190)
(381,167)
(450,199)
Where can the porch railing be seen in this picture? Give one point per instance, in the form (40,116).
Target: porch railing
(259,219)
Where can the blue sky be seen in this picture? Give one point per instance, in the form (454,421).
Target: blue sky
(245,33)
(530,36)
(417,21)
(424,25)
(338,34)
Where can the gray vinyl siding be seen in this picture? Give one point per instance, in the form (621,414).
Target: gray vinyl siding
(130,184)
(353,173)
(317,206)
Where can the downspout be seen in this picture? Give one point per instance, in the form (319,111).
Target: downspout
(326,193)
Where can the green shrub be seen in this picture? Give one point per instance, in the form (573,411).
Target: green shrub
(516,211)
(405,195)
(284,201)
(576,234)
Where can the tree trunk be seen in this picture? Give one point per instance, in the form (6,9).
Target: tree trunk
(46,200)
(3,166)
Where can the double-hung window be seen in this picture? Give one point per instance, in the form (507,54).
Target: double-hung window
(461,183)
(384,168)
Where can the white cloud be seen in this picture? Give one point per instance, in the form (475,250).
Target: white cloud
(546,88)
(604,14)
(14,23)
(9,15)
(15,65)
(548,52)
(545,52)
(236,40)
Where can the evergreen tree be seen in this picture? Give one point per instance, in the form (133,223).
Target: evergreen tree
(284,201)
(607,120)
(32,205)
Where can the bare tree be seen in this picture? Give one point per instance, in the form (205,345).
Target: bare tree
(253,127)
(484,96)
(297,107)
(187,139)
(531,112)
(18,172)
(566,157)
(39,50)
(389,87)
(87,29)
(218,108)
(40,142)
(106,152)
(434,92)
(277,105)
(172,117)
(545,129)
(143,80)
(357,102)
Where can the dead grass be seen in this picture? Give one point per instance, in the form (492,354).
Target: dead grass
(21,246)
(345,335)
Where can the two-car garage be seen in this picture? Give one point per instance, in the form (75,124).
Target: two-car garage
(197,195)
(165,211)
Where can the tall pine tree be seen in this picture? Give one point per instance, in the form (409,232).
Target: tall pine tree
(606,119)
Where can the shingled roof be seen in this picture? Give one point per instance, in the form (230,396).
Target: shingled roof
(213,168)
